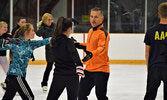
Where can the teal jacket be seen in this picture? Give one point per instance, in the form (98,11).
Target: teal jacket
(21,55)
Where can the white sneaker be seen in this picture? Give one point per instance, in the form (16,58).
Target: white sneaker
(44,88)
(3,85)
(17,94)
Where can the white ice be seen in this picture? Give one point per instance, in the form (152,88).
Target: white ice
(126,82)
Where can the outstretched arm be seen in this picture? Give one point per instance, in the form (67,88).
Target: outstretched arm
(8,41)
(39,43)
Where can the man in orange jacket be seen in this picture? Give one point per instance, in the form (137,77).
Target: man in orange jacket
(96,59)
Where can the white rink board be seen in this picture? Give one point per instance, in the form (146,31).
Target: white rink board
(121,47)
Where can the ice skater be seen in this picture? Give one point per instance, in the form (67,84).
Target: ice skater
(21,55)
(67,62)
(3,59)
(3,35)
(46,29)
(156,65)
(20,22)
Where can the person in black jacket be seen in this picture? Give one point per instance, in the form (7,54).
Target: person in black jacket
(3,59)
(156,64)
(46,29)
(20,22)
(67,62)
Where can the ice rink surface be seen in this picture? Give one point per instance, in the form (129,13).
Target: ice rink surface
(126,82)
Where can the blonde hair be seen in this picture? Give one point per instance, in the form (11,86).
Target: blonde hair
(45,18)
(162,9)
(2,23)
(20,33)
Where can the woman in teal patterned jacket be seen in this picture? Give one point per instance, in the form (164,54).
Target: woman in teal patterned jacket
(21,54)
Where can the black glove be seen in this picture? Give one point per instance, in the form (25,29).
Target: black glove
(74,41)
(75,21)
(13,40)
(32,56)
(77,45)
(87,57)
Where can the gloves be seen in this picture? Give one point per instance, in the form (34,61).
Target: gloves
(32,57)
(87,57)
(13,40)
(80,71)
(75,21)
(77,45)
(74,41)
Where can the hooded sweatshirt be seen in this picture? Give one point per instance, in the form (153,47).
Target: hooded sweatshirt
(65,55)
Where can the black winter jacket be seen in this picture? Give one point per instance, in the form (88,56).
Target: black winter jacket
(46,31)
(14,29)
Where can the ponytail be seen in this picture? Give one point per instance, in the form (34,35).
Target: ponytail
(58,29)
(20,32)
(39,24)
(61,26)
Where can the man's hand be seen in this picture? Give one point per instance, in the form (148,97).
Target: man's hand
(74,41)
(87,57)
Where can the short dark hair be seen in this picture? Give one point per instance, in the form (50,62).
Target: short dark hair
(97,9)
(19,18)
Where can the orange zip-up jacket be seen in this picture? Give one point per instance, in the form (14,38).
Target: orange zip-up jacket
(97,43)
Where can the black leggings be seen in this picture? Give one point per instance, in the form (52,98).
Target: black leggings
(46,74)
(20,85)
(59,83)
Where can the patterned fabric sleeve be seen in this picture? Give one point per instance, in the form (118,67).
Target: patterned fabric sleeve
(39,43)
(7,47)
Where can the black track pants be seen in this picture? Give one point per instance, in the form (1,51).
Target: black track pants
(59,83)
(46,74)
(20,85)
(155,76)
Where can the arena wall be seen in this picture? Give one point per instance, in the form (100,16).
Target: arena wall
(123,49)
